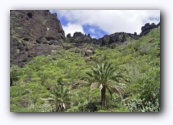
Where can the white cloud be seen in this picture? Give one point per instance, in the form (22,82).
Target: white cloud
(72,28)
(94,36)
(92,30)
(111,21)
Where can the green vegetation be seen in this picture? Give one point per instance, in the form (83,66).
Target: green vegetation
(60,97)
(123,79)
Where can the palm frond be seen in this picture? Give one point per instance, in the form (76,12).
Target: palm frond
(110,91)
(94,86)
(117,90)
(89,74)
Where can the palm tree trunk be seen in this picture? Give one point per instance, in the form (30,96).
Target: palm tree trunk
(103,96)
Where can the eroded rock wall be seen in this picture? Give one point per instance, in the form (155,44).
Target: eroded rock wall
(32,33)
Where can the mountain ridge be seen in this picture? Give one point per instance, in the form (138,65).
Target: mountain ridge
(34,33)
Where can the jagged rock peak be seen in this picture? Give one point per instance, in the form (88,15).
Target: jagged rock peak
(78,34)
(147,27)
(112,39)
(118,37)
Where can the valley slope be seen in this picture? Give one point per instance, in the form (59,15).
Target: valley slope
(67,60)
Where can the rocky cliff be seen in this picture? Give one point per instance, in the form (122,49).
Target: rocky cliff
(32,33)
(146,29)
(112,39)
(39,32)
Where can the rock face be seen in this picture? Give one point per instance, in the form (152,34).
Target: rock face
(146,29)
(32,33)
(79,37)
(69,35)
(119,38)
(107,40)
(78,34)
(110,40)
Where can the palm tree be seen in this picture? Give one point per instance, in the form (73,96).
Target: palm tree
(60,97)
(104,75)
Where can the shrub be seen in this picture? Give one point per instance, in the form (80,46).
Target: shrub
(14,74)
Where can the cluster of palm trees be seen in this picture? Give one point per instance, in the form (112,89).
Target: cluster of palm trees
(102,74)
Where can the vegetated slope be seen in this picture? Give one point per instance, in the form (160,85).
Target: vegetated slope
(138,61)
(38,32)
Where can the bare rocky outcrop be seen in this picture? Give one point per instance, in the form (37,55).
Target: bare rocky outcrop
(147,28)
(80,40)
(112,39)
(32,33)
(38,32)
(106,40)
(119,37)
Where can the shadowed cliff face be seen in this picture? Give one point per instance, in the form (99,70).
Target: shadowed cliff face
(32,33)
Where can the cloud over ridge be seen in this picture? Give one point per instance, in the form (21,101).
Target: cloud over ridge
(107,21)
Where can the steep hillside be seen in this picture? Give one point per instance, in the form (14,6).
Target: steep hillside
(34,33)
(34,87)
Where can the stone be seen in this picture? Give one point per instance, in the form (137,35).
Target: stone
(69,35)
(89,52)
(78,34)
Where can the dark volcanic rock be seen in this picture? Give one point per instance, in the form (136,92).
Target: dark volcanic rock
(38,32)
(146,29)
(32,32)
(118,38)
(69,35)
(77,34)
(107,40)
(80,39)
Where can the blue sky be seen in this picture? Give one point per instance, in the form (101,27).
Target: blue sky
(98,23)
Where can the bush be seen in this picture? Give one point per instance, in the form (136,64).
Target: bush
(14,74)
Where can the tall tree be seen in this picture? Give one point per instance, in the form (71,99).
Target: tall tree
(104,74)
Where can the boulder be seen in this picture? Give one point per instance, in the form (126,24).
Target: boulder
(69,35)
(89,52)
(78,34)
